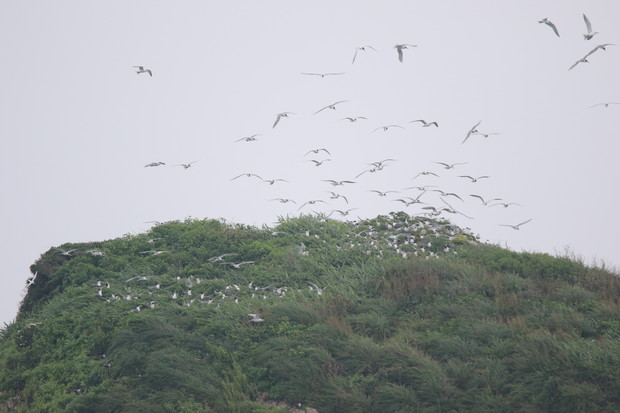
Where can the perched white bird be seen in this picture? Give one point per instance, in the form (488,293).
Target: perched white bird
(550,24)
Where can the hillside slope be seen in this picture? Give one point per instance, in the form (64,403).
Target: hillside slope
(394,314)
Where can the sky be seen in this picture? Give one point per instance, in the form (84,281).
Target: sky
(78,124)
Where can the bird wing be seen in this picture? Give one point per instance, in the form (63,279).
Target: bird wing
(276,122)
(555,29)
(400,53)
(524,222)
(354,56)
(588,25)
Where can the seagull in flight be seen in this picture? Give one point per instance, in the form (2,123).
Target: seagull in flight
(332,106)
(353,119)
(382,193)
(280,116)
(322,74)
(344,213)
(471,131)
(506,205)
(605,104)
(451,165)
(400,47)
(318,163)
(338,183)
(219,258)
(582,60)
(601,47)
(237,264)
(186,165)
(68,253)
(386,127)
(550,24)
(425,124)
(311,202)
(474,179)
(249,138)
(249,175)
(516,226)
(273,181)
(363,49)
(317,151)
(590,33)
(141,69)
(153,252)
(283,200)
(153,164)
(485,203)
(336,196)
(425,173)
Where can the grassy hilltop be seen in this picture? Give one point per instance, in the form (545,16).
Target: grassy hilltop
(393,314)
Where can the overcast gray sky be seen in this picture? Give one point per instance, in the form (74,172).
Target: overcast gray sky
(78,124)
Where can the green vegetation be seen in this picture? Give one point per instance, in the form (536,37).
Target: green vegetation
(393,314)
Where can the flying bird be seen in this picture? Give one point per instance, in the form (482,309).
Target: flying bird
(283,200)
(311,202)
(273,181)
(386,127)
(353,119)
(590,33)
(382,193)
(400,47)
(582,60)
(141,69)
(249,175)
(363,49)
(336,196)
(322,74)
(485,203)
(237,264)
(425,124)
(516,226)
(186,165)
(451,165)
(318,163)
(338,183)
(550,24)
(317,151)
(506,205)
(471,131)
(153,164)
(599,47)
(280,116)
(332,106)
(249,138)
(605,104)
(219,258)
(474,179)
(425,173)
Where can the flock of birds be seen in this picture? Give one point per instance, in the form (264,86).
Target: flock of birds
(396,234)
(432,200)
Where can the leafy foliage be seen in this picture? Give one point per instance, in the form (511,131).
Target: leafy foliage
(393,314)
